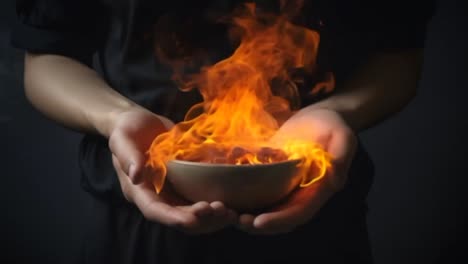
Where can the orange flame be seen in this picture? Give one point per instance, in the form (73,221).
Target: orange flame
(240,114)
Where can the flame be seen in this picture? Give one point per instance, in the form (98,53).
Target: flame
(240,113)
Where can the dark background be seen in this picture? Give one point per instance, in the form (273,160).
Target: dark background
(417,203)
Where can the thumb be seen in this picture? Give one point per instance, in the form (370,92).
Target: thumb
(342,147)
(129,154)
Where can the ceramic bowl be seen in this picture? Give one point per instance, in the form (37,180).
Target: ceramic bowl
(241,187)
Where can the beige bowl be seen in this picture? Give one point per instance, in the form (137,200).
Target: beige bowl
(240,187)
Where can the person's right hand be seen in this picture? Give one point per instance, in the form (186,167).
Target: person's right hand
(130,137)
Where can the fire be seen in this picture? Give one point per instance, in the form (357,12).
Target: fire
(240,113)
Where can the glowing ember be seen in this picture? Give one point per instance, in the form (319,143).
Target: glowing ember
(240,114)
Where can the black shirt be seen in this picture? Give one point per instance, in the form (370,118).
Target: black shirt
(122,35)
(118,39)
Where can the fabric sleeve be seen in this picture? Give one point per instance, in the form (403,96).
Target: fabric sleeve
(387,25)
(75,29)
(359,28)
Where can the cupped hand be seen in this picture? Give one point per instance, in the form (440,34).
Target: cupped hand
(327,128)
(132,134)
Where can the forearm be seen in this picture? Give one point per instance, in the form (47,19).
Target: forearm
(72,94)
(379,89)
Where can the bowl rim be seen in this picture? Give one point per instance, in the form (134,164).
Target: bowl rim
(226,165)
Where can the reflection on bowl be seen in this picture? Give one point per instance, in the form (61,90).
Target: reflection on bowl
(241,187)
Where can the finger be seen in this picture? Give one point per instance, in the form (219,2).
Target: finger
(281,221)
(131,158)
(342,147)
(123,179)
(158,211)
(212,221)
(219,209)
(245,222)
(299,208)
(201,209)
(223,213)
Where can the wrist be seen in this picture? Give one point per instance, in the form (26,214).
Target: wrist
(105,121)
(343,108)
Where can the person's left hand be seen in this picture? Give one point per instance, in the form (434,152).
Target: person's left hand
(330,130)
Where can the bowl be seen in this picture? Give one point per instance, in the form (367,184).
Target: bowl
(240,187)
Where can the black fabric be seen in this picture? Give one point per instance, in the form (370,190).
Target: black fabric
(121,35)
(71,28)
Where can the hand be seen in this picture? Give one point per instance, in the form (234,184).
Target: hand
(131,135)
(330,130)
